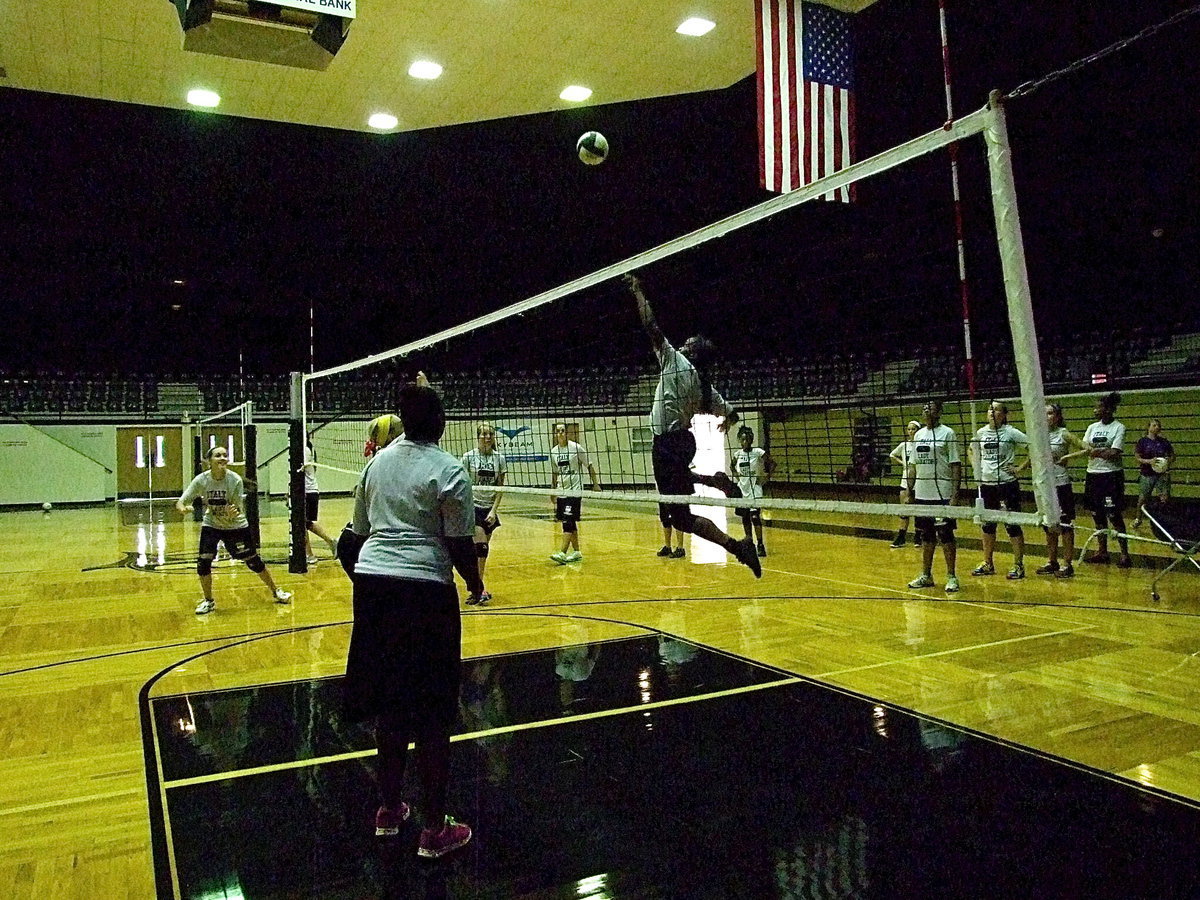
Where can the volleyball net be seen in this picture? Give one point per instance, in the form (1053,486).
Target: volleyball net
(578,356)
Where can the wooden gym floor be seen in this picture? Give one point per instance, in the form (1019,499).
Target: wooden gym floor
(96,622)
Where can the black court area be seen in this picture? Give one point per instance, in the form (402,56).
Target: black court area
(646,768)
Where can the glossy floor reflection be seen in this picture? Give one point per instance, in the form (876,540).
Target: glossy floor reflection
(708,781)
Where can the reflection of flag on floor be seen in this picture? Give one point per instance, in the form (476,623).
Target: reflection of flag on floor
(805,94)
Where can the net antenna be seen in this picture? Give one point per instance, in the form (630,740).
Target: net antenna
(614,424)
(233,429)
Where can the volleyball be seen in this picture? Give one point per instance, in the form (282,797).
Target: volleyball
(47,506)
(1159,464)
(592,148)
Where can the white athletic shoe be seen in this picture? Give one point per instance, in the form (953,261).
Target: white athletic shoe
(205,607)
(952,584)
(560,558)
(311,560)
(282,596)
(574,556)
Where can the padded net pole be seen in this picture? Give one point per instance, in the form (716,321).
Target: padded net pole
(1020,308)
(297,561)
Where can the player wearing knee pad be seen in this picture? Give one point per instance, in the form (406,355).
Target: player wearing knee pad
(223,494)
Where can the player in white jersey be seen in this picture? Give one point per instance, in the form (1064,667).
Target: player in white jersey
(225,523)
(902,454)
(752,466)
(486,469)
(312,504)
(994,459)
(1064,446)
(683,391)
(567,462)
(1104,487)
(935,475)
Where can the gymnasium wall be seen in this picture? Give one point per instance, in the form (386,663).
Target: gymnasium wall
(57,463)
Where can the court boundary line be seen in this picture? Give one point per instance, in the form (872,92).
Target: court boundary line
(478,735)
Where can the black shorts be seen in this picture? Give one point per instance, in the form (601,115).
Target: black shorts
(568,509)
(405,652)
(238,541)
(1066,503)
(672,457)
(1104,491)
(1007,493)
(929,526)
(312,502)
(481,514)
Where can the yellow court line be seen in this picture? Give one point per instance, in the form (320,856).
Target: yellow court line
(168,836)
(934,655)
(68,801)
(476,735)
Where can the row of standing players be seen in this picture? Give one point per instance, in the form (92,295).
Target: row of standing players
(417,518)
(930,460)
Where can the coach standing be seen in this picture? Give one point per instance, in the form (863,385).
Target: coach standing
(415,508)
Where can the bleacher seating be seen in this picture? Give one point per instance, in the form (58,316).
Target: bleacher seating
(1068,361)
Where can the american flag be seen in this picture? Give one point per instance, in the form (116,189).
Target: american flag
(805,94)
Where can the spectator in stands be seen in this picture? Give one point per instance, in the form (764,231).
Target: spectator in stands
(1104,488)
(902,454)
(936,475)
(994,461)
(1155,455)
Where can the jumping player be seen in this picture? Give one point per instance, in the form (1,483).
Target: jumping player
(683,391)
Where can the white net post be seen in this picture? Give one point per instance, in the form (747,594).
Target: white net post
(1020,309)
(297,561)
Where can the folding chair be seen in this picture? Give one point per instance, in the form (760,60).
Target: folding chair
(1177,526)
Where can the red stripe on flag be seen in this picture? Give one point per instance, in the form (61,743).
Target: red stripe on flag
(762,118)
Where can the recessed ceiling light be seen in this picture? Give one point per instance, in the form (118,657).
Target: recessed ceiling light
(202,97)
(423,68)
(382,121)
(696,27)
(575,93)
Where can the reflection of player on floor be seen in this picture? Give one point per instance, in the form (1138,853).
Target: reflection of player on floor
(312,504)
(753,467)
(567,462)
(683,391)
(486,469)
(224,523)
(414,507)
